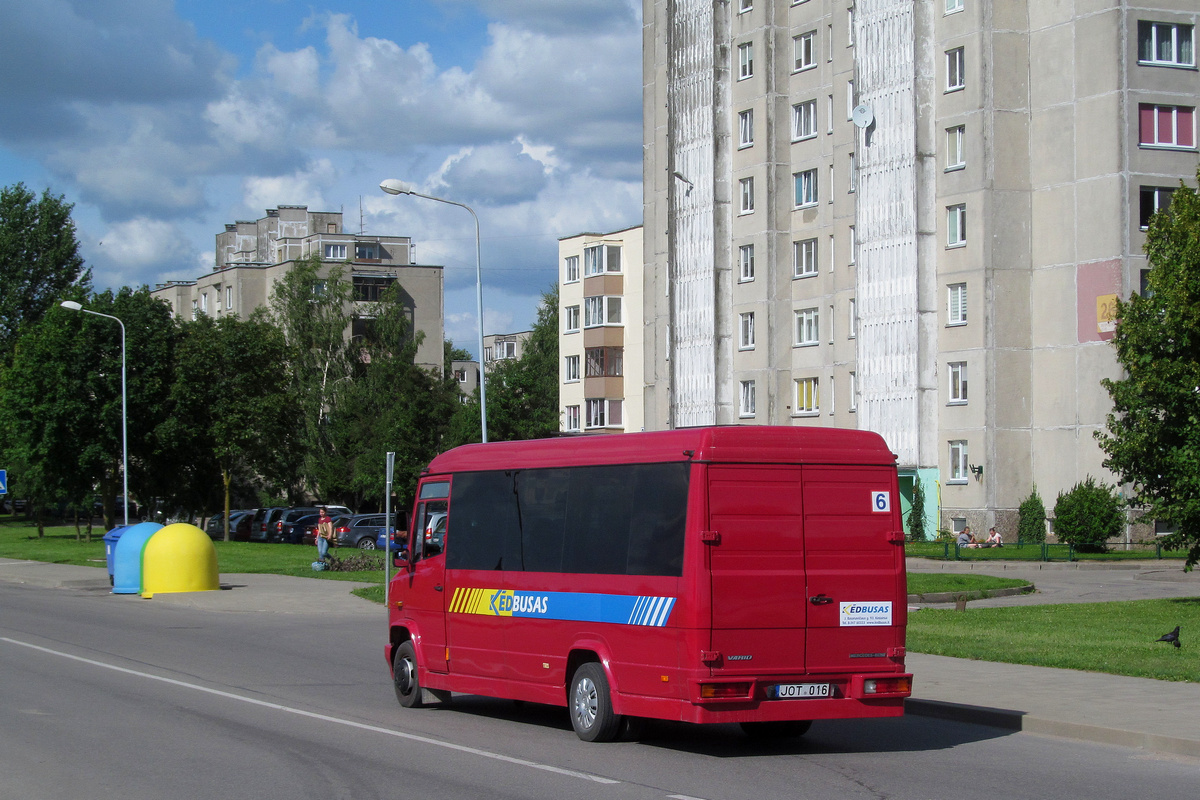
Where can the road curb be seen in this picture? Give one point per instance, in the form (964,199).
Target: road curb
(975,594)
(1012,720)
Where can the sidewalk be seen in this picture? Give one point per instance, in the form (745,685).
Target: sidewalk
(1133,712)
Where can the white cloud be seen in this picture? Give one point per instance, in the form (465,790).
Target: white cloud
(303,187)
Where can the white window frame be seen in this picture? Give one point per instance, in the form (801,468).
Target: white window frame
(745,5)
(746,192)
(853,176)
(228,297)
(604,413)
(745,60)
(956,304)
(850,101)
(571,422)
(335,252)
(956,225)
(602,310)
(956,79)
(1176,127)
(806,397)
(849,27)
(571,319)
(1160,200)
(853,246)
(746,330)
(571,269)
(602,259)
(852,311)
(806,189)
(745,128)
(746,399)
(804,120)
(958,461)
(571,369)
(745,263)
(956,157)
(853,392)
(954,6)
(1182,44)
(804,258)
(807,332)
(804,51)
(956,386)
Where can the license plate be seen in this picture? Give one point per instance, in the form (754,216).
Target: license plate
(799,691)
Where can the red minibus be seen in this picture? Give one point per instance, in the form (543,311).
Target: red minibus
(733,574)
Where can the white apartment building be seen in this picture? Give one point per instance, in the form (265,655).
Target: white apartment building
(908,216)
(600,340)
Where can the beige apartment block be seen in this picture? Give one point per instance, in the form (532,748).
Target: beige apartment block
(600,340)
(908,217)
(251,256)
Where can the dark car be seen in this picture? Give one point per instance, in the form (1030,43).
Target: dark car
(264,522)
(361,531)
(239,525)
(308,532)
(287,529)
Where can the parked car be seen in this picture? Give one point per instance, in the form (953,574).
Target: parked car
(435,534)
(399,540)
(263,522)
(287,530)
(361,531)
(239,525)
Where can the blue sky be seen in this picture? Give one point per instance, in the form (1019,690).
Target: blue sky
(162,121)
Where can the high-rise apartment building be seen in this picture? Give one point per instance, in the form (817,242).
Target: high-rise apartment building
(600,336)
(908,216)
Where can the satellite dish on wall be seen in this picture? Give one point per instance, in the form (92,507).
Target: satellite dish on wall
(862,115)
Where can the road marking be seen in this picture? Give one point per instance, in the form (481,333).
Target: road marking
(324,717)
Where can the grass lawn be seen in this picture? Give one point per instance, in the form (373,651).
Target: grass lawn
(931,582)
(1117,638)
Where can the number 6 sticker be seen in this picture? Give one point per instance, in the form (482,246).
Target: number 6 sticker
(881,501)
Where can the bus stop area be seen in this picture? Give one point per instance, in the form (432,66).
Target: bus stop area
(1132,712)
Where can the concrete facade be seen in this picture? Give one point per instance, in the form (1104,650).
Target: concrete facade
(600,337)
(252,256)
(941,272)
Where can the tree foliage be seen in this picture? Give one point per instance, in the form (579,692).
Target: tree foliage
(522,394)
(39,260)
(916,513)
(1031,519)
(1089,515)
(1153,433)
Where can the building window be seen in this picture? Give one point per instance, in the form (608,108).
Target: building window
(955,155)
(601,258)
(853,245)
(853,175)
(195,308)
(958,382)
(804,258)
(572,419)
(956,304)
(854,391)
(745,61)
(746,262)
(603,414)
(807,399)
(571,268)
(745,128)
(601,310)
(228,297)
(808,327)
(745,5)
(605,362)
(571,369)
(1154,199)
(853,309)
(958,461)
(804,120)
(572,319)
(805,51)
(335,252)
(953,5)
(850,27)
(746,401)
(366,251)
(746,331)
(747,192)
(1163,44)
(806,188)
(204,303)
(370,289)
(850,100)
(956,225)
(955,79)
(1166,126)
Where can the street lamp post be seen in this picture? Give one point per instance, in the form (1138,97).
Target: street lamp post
(393,186)
(73,306)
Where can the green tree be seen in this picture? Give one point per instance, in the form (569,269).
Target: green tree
(1031,519)
(1153,433)
(522,394)
(916,514)
(39,260)
(1088,516)
(232,407)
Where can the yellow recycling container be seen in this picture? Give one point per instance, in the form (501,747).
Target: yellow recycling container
(179,558)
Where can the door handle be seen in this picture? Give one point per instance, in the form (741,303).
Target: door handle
(437,588)
(820,600)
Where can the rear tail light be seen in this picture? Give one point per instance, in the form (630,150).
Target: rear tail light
(901,685)
(714,691)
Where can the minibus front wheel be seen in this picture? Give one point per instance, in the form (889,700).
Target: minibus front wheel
(404,676)
(592,715)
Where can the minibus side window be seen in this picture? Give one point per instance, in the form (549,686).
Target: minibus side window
(431,520)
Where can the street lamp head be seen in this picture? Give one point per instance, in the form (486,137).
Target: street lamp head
(393,186)
(72,305)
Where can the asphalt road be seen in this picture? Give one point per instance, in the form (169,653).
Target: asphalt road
(114,696)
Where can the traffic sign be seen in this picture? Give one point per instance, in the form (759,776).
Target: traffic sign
(3,481)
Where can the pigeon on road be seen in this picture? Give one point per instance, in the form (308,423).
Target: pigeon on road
(1172,637)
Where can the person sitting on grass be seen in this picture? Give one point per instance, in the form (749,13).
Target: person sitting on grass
(993,539)
(967,539)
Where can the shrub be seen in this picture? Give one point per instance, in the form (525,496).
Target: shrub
(1031,524)
(1088,516)
(916,514)
(361,562)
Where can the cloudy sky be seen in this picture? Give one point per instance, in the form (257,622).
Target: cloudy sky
(162,121)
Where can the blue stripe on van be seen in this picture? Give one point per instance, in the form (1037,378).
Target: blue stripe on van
(619,609)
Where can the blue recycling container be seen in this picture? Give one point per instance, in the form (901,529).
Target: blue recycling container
(110,548)
(127,557)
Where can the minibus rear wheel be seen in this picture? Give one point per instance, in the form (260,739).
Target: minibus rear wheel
(592,715)
(776,730)
(404,676)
